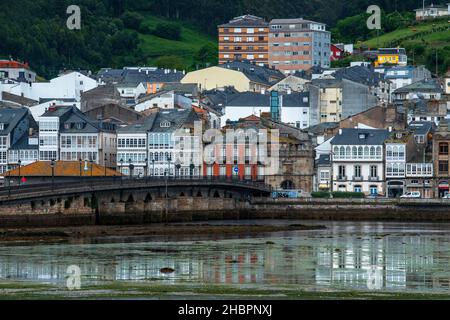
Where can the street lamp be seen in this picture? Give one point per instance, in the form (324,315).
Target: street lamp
(192,166)
(121,174)
(131,168)
(145,167)
(19,162)
(81,163)
(52,165)
(169,159)
(92,165)
(177,168)
(105,164)
(153,163)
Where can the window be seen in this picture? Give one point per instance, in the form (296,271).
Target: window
(341,172)
(443,167)
(443,148)
(357,171)
(373,171)
(357,188)
(373,190)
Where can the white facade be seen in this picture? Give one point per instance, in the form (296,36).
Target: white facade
(395,160)
(132,149)
(67,86)
(167,100)
(48,138)
(358,168)
(131,93)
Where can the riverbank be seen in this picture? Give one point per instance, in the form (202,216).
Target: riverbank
(152,291)
(66,234)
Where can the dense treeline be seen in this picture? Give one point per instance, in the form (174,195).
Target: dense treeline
(35,30)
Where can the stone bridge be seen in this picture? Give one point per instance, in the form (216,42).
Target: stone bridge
(116,200)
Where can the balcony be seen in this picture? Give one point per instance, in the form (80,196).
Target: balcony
(374,179)
(341,178)
(357,178)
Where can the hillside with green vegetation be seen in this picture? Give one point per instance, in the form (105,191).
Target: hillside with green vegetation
(422,41)
(177,34)
(193,49)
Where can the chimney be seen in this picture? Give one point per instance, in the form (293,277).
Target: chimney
(30,132)
(289,91)
(340,131)
(390,129)
(263,91)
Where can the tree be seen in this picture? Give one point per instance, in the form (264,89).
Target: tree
(170,62)
(169,31)
(132,20)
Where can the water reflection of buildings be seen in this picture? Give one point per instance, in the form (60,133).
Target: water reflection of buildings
(340,257)
(401,261)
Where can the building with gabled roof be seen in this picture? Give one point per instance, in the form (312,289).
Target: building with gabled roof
(18,140)
(67,134)
(357,157)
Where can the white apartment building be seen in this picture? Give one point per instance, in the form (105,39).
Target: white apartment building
(357,161)
(65,133)
(66,86)
(162,144)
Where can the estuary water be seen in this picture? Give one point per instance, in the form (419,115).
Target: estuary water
(384,256)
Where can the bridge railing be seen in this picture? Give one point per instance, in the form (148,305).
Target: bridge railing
(94,183)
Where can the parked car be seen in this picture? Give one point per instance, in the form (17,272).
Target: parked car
(412,194)
(447,196)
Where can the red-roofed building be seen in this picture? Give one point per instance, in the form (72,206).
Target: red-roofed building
(15,70)
(336,53)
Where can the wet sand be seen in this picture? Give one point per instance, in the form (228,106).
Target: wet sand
(63,234)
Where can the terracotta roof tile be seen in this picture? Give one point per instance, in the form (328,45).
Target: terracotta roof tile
(62,169)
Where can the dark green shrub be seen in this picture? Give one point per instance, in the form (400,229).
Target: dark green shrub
(169,31)
(340,194)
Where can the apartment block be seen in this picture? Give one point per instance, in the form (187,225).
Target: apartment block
(297,44)
(244,38)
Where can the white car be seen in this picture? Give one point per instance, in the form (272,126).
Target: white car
(447,196)
(412,194)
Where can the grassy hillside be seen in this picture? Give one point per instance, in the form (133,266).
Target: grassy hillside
(422,41)
(185,49)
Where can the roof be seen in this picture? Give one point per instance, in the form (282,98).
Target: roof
(409,74)
(247,20)
(359,74)
(24,143)
(135,76)
(142,126)
(320,128)
(391,51)
(353,136)
(421,127)
(295,20)
(10,117)
(252,99)
(72,115)
(426,85)
(176,117)
(13,64)
(255,72)
(327,83)
(61,169)
(324,159)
